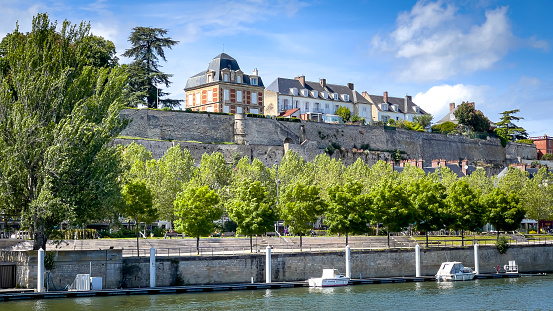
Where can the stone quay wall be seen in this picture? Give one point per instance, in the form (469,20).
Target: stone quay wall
(308,138)
(134,271)
(67,264)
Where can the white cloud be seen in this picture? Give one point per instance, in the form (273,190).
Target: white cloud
(436,100)
(433,42)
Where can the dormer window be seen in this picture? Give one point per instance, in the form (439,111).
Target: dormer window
(417,110)
(345,97)
(209,78)
(294,91)
(396,108)
(305,92)
(238,79)
(335,96)
(253,81)
(325,95)
(314,93)
(225,77)
(384,106)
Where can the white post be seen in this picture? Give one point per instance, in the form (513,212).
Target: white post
(268,265)
(152,267)
(348,261)
(476,264)
(417,260)
(40,272)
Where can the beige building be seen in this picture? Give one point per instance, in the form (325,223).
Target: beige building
(223,87)
(394,108)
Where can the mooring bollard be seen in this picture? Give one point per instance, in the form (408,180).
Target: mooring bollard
(40,272)
(476,264)
(152,267)
(268,265)
(348,261)
(417,260)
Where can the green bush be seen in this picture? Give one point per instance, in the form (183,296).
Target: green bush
(547,156)
(502,244)
(444,128)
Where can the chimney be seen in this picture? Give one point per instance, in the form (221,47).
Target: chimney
(442,163)
(464,167)
(420,163)
(435,163)
(323,82)
(451,106)
(365,94)
(350,86)
(301,79)
(385,99)
(406,104)
(255,73)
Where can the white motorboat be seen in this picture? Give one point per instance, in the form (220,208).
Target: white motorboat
(330,278)
(454,271)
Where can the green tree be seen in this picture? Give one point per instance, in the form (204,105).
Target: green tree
(148,46)
(428,199)
(252,210)
(391,206)
(215,173)
(300,208)
(507,129)
(100,52)
(174,170)
(466,209)
(57,117)
(195,209)
(466,114)
(505,210)
(138,205)
(478,181)
(536,196)
(423,121)
(348,209)
(344,112)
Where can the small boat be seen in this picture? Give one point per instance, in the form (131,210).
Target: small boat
(330,278)
(454,271)
(512,267)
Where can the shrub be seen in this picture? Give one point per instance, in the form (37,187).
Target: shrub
(444,128)
(502,244)
(547,156)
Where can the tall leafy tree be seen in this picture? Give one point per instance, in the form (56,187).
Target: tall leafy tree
(428,199)
(466,209)
(57,115)
(537,195)
(505,210)
(507,129)
(348,210)
(147,49)
(424,120)
(195,209)
(391,206)
(252,210)
(174,170)
(466,114)
(300,208)
(138,205)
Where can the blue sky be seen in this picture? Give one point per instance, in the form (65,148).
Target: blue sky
(495,53)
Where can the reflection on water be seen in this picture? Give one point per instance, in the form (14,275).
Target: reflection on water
(528,293)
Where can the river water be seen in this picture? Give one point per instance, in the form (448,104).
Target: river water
(525,293)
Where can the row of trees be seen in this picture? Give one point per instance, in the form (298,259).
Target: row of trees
(347,199)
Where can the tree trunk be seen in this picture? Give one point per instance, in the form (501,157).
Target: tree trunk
(347,235)
(300,242)
(251,243)
(198,244)
(388,238)
(462,237)
(426,233)
(39,239)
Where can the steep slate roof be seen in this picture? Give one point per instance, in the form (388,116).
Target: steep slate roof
(283,86)
(218,63)
(377,100)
